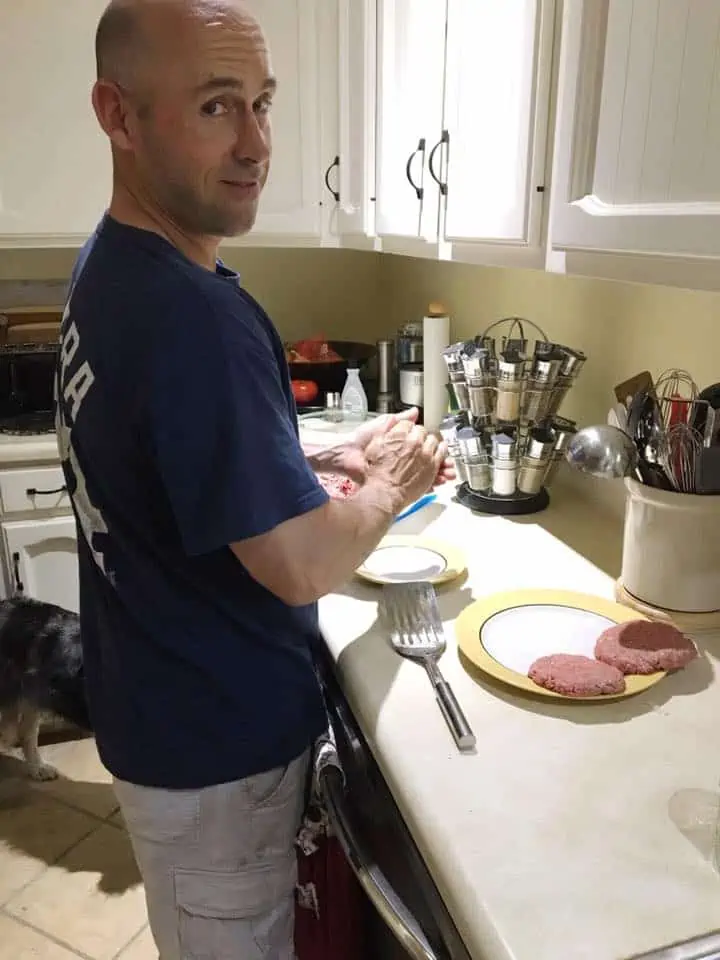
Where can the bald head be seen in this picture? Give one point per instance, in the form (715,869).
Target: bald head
(133,34)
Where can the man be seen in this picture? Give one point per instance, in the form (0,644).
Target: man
(205,538)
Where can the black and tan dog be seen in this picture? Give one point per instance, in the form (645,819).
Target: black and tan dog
(41,672)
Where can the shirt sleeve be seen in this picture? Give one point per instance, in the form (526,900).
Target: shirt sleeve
(223,433)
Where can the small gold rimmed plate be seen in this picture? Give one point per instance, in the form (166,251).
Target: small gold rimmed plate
(504,634)
(407,559)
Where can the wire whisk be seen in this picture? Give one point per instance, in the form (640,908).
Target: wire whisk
(680,456)
(676,392)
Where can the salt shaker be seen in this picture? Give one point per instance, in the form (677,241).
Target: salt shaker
(504,465)
(510,370)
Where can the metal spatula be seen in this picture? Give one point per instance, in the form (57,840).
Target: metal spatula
(411,614)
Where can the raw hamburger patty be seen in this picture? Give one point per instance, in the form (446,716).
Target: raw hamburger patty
(576,676)
(641,646)
(340,488)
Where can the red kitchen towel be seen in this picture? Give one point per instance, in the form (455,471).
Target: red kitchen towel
(329,901)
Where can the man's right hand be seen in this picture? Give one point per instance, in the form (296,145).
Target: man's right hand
(406,460)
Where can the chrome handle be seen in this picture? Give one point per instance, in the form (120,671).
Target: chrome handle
(699,948)
(331,781)
(452,711)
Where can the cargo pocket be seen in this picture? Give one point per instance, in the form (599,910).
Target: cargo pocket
(228,916)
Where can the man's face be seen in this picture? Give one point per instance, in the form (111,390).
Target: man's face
(203,140)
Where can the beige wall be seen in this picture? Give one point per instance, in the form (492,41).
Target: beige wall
(306,292)
(351,295)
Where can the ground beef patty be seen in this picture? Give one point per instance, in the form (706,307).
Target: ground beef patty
(642,646)
(576,676)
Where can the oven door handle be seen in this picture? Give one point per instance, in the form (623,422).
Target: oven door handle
(331,782)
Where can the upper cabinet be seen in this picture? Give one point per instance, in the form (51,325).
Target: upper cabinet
(637,149)
(298,198)
(583,135)
(463,95)
(55,170)
(410,94)
(55,174)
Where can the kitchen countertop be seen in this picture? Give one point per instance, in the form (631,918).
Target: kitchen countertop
(574,832)
(36,448)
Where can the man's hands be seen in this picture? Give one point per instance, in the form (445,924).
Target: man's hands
(351,458)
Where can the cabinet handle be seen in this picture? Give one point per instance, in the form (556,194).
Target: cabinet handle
(19,586)
(335,193)
(444,139)
(34,492)
(419,191)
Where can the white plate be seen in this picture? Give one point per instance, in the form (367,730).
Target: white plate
(407,559)
(518,636)
(403,564)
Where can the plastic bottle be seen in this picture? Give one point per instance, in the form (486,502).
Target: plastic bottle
(354,399)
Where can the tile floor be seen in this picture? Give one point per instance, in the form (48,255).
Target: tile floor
(69,887)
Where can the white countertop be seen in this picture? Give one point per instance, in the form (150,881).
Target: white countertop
(575,832)
(37,448)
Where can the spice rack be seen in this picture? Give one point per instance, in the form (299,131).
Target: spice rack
(505,433)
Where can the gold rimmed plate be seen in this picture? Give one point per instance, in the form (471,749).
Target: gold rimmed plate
(502,635)
(407,559)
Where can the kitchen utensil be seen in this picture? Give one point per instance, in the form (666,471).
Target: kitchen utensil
(408,559)
(625,391)
(708,471)
(411,614)
(650,440)
(618,416)
(502,635)
(683,446)
(704,418)
(414,507)
(603,451)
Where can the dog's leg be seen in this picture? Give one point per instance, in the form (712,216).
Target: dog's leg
(28,731)
(9,725)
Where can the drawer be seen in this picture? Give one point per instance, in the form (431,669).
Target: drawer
(42,488)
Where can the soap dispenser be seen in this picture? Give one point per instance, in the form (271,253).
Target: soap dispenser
(354,399)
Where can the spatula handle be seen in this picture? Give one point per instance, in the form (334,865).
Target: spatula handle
(452,711)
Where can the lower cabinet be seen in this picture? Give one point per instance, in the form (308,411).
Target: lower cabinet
(42,559)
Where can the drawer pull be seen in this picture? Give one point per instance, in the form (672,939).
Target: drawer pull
(19,586)
(34,492)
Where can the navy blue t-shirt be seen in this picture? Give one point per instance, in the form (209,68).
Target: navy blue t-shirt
(178,433)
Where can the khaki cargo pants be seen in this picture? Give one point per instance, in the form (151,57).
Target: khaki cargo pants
(219,864)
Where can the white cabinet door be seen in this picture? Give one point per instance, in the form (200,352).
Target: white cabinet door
(357,76)
(638,139)
(55,175)
(496,112)
(42,558)
(411,70)
(290,203)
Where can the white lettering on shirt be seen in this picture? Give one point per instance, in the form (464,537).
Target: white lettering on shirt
(74,389)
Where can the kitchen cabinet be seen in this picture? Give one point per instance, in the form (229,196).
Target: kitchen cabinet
(357,85)
(297,203)
(42,559)
(462,101)
(55,171)
(411,71)
(637,148)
